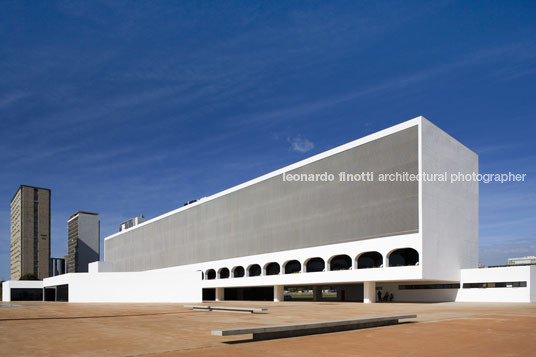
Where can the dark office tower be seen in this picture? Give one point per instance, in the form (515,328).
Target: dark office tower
(83,241)
(30,232)
(57,266)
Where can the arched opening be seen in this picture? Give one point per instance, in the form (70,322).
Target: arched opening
(369,260)
(403,257)
(254,270)
(292,267)
(210,274)
(273,269)
(340,262)
(202,275)
(238,272)
(315,265)
(224,273)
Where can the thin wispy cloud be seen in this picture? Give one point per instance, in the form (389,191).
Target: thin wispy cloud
(301,144)
(476,58)
(11,98)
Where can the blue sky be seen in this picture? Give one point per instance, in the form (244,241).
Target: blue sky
(128,108)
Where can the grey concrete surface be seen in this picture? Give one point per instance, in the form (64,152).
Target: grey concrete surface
(275,215)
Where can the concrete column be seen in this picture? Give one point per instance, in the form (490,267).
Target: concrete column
(317,293)
(279,293)
(220,294)
(369,292)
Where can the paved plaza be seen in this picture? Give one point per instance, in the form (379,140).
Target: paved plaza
(441,329)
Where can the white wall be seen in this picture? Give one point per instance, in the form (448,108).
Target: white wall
(489,275)
(532,283)
(18,284)
(148,286)
(419,295)
(449,210)
(505,274)
(100,267)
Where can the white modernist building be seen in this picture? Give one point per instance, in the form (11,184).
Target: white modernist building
(393,213)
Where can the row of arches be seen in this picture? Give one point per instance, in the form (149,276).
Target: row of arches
(373,259)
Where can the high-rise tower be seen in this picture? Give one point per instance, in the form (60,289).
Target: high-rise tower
(30,232)
(83,245)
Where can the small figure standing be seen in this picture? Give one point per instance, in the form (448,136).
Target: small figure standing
(386,296)
(391,297)
(379,296)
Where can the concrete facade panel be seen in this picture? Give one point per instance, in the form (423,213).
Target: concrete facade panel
(275,215)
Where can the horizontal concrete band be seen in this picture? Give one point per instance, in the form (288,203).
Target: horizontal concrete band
(226,308)
(268,332)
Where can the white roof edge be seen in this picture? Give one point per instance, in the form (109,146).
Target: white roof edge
(352,144)
(77,214)
(453,138)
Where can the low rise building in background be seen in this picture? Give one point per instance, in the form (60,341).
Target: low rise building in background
(531,260)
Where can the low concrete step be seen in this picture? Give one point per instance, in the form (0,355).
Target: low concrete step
(282,331)
(227,308)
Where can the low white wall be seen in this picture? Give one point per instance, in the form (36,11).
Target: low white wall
(503,274)
(18,284)
(418,295)
(533,283)
(100,267)
(148,286)
(489,275)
